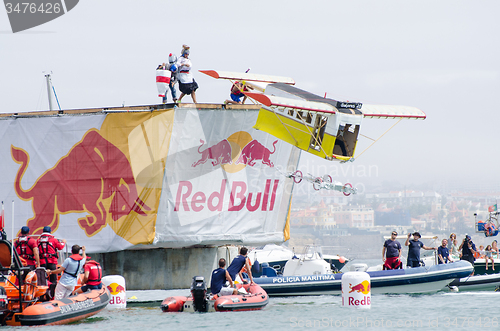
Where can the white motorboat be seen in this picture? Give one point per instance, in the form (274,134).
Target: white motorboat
(311,275)
(276,257)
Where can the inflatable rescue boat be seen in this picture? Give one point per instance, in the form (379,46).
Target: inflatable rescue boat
(255,298)
(21,292)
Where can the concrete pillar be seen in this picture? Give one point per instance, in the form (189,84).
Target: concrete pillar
(160,268)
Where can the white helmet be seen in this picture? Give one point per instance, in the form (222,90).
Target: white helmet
(172,58)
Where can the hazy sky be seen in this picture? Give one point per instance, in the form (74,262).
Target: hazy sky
(439,56)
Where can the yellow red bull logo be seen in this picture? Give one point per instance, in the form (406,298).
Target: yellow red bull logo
(360,295)
(363,287)
(115,288)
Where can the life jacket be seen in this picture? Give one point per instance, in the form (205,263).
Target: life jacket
(244,269)
(46,247)
(95,273)
(23,248)
(78,258)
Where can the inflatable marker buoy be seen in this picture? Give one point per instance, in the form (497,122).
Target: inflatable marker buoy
(356,289)
(116,287)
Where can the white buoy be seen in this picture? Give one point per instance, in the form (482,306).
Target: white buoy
(356,290)
(117,289)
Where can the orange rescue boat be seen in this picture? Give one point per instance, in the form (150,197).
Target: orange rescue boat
(255,298)
(21,291)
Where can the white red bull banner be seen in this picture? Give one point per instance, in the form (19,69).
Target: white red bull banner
(164,178)
(222,182)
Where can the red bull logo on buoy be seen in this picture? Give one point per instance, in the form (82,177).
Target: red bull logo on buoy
(115,288)
(363,287)
(356,290)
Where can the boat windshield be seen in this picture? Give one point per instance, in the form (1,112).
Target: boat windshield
(312,252)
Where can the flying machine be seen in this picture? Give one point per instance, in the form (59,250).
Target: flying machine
(490,227)
(321,126)
(324,182)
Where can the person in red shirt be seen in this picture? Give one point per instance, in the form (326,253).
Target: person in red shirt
(48,247)
(27,248)
(91,277)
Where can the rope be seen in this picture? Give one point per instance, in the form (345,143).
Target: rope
(56,97)
(378,138)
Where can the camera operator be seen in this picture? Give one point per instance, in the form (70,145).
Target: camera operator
(468,248)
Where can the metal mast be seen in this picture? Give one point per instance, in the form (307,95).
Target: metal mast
(49,88)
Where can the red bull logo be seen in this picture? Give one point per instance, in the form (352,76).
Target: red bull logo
(188,200)
(95,177)
(117,298)
(363,287)
(115,288)
(236,152)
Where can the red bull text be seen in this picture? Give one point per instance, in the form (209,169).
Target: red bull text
(238,198)
(363,302)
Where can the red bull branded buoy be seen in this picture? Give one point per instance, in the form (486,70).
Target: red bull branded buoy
(116,287)
(356,290)
(162,81)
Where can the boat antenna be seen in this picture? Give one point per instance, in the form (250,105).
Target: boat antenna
(12,241)
(50,89)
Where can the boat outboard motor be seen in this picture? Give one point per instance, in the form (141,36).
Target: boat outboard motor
(199,293)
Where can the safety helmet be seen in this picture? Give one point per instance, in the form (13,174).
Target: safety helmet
(172,58)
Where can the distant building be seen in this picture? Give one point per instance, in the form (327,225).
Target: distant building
(333,216)
(408,197)
(354,216)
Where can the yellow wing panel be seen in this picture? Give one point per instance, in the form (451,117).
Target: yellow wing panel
(293,131)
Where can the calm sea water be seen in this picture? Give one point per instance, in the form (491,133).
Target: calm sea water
(439,311)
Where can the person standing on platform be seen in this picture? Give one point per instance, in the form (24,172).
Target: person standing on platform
(172,67)
(187,84)
(27,248)
(391,253)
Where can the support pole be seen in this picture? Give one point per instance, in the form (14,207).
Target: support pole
(49,90)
